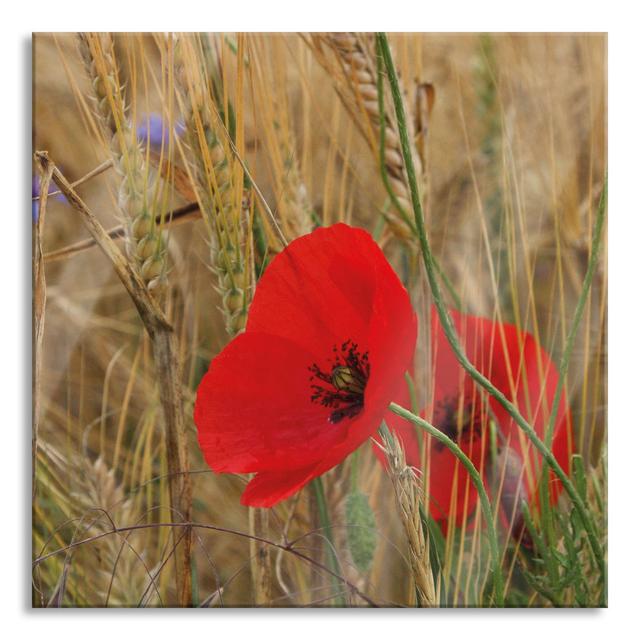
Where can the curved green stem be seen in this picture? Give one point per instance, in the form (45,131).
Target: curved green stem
(383,166)
(385,176)
(447,324)
(485,505)
(568,350)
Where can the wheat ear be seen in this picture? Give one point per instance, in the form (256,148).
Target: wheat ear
(145,243)
(211,164)
(407,491)
(295,198)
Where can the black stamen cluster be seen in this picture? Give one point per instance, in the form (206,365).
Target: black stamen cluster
(345,402)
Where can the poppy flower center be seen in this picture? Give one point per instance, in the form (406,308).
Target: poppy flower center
(458,422)
(341,385)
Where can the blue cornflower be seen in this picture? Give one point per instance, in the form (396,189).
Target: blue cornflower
(155,131)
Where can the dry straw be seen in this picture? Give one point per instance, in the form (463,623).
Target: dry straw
(39,305)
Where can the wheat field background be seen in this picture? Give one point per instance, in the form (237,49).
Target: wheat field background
(513,147)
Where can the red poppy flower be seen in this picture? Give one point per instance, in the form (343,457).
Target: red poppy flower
(523,371)
(329,335)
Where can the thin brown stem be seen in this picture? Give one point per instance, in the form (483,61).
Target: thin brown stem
(39,302)
(186,213)
(101,168)
(261,561)
(288,548)
(169,376)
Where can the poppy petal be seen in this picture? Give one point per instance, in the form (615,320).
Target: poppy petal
(452,494)
(320,290)
(253,408)
(392,341)
(269,487)
(329,305)
(518,366)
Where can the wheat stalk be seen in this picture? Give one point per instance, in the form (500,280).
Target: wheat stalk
(39,305)
(408,498)
(226,210)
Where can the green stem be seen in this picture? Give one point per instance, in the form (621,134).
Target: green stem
(498,585)
(457,302)
(385,176)
(447,323)
(568,350)
(383,164)
(413,398)
(325,522)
